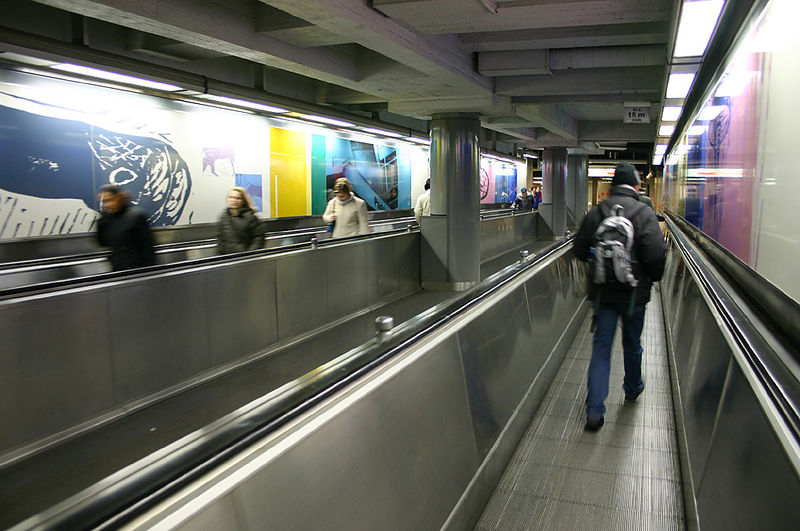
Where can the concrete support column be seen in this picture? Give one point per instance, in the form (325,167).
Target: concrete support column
(450,252)
(553,210)
(577,188)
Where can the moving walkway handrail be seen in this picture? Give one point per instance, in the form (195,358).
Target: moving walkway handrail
(69,283)
(765,360)
(178,246)
(128,493)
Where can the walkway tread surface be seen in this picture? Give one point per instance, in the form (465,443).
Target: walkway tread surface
(625,476)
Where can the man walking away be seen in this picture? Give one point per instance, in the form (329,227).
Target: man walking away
(124,228)
(621,240)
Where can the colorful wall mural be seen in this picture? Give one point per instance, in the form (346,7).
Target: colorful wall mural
(732,173)
(61,140)
(499,180)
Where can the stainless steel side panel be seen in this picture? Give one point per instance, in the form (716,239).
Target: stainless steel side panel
(417,443)
(384,462)
(502,234)
(159,333)
(748,483)
(500,359)
(81,355)
(302,302)
(737,471)
(52,366)
(242,310)
(345,279)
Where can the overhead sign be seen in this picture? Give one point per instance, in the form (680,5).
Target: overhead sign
(637,115)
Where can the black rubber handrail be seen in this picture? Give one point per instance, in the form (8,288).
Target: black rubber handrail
(768,364)
(150,481)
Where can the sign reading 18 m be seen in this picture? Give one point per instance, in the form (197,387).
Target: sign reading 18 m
(637,115)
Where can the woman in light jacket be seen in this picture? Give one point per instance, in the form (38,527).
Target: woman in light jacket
(238,228)
(347,212)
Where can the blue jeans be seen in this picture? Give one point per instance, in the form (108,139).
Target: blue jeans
(600,365)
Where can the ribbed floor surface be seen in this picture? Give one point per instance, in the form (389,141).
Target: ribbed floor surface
(625,476)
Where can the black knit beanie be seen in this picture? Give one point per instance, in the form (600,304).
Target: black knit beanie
(625,173)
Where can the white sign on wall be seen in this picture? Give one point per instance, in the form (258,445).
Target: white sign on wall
(636,115)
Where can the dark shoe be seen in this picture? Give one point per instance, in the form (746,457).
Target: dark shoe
(594,424)
(634,396)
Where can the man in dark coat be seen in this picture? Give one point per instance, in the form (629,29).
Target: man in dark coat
(613,301)
(523,202)
(124,228)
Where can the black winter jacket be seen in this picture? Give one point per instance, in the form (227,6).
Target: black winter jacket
(523,204)
(648,254)
(128,234)
(242,232)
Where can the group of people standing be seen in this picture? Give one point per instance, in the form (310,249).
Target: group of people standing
(525,202)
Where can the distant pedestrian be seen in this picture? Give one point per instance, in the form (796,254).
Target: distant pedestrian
(647,201)
(537,196)
(345,211)
(523,202)
(618,298)
(238,227)
(124,228)
(423,206)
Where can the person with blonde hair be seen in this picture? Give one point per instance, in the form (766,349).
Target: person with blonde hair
(238,228)
(345,211)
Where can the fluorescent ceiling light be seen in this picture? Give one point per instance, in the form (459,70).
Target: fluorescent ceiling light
(666,130)
(710,112)
(679,85)
(244,103)
(113,76)
(733,84)
(661,149)
(698,20)
(529,156)
(697,130)
(326,120)
(382,132)
(657,160)
(671,113)
(419,140)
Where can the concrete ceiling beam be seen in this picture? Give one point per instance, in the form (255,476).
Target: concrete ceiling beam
(437,56)
(492,105)
(604,131)
(551,118)
(577,37)
(457,16)
(628,80)
(212,26)
(537,62)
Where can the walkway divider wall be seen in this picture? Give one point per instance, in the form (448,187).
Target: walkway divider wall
(740,459)
(419,442)
(78,357)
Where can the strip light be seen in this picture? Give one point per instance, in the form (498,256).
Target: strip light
(679,85)
(326,120)
(383,132)
(113,76)
(671,113)
(698,20)
(244,103)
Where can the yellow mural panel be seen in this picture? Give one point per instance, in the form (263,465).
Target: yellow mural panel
(288,169)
